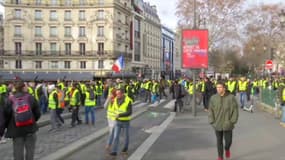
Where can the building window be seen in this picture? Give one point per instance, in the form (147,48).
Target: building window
(100,31)
(100,14)
(38,48)
(38,15)
(67,64)
(82,49)
(82,15)
(38,2)
(82,2)
(67,15)
(100,48)
(53,64)
(81,31)
(53,15)
(38,31)
(1,63)
(67,48)
(53,31)
(53,2)
(101,64)
(18,14)
(38,64)
(82,64)
(126,20)
(53,48)
(67,31)
(18,31)
(137,51)
(18,48)
(18,64)
(18,1)
(137,28)
(68,2)
(101,2)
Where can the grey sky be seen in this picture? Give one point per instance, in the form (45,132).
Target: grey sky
(166,10)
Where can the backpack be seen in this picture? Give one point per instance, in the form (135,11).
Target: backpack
(92,95)
(23,114)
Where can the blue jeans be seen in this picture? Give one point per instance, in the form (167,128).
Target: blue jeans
(118,128)
(111,136)
(43,104)
(92,112)
(98,100)
(283,114)
(242,98)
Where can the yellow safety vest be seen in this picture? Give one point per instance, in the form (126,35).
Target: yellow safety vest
(51,101)
(191,89)
(283,95)
(88,101)
(122,108)
(111,112)
(231,86)
(242,86)
(73,100)
(31,91)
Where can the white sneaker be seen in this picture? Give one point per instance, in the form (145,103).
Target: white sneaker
(3,140)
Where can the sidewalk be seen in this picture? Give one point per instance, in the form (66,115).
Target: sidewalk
(257,136)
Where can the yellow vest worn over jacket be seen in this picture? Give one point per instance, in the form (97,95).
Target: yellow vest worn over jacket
(51,101)
(111,112)
(122,108)
(88,101)
(73,100)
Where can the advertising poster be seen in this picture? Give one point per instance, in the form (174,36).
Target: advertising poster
(194,49)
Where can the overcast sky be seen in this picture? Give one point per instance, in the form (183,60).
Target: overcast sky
(166,9)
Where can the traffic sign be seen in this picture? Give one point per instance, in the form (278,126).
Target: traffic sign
(268,64)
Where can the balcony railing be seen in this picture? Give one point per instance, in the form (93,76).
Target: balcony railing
(63,53)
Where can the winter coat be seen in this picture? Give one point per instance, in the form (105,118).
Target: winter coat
(223,112)
(12,130)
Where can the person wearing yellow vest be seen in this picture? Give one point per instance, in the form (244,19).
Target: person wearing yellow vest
(190,90)
(111,117)
(61,104)
(148,87)
(242,86)
(154,92)
(231,86)
(99,93)
(53,105)
(123,109)
(75,104)
(282,104)
(90,103)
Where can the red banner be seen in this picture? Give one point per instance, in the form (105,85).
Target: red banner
(194,49)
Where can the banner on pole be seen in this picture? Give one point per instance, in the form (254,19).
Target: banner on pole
(194,49)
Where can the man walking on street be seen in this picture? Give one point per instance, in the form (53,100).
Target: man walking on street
(223,115)
(75,104)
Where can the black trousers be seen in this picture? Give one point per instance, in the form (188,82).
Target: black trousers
(75,116)
(227,135)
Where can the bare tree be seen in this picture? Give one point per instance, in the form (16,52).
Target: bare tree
(221,17)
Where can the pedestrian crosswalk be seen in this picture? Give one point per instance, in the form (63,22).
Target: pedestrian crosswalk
(157,103)
(170,105)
